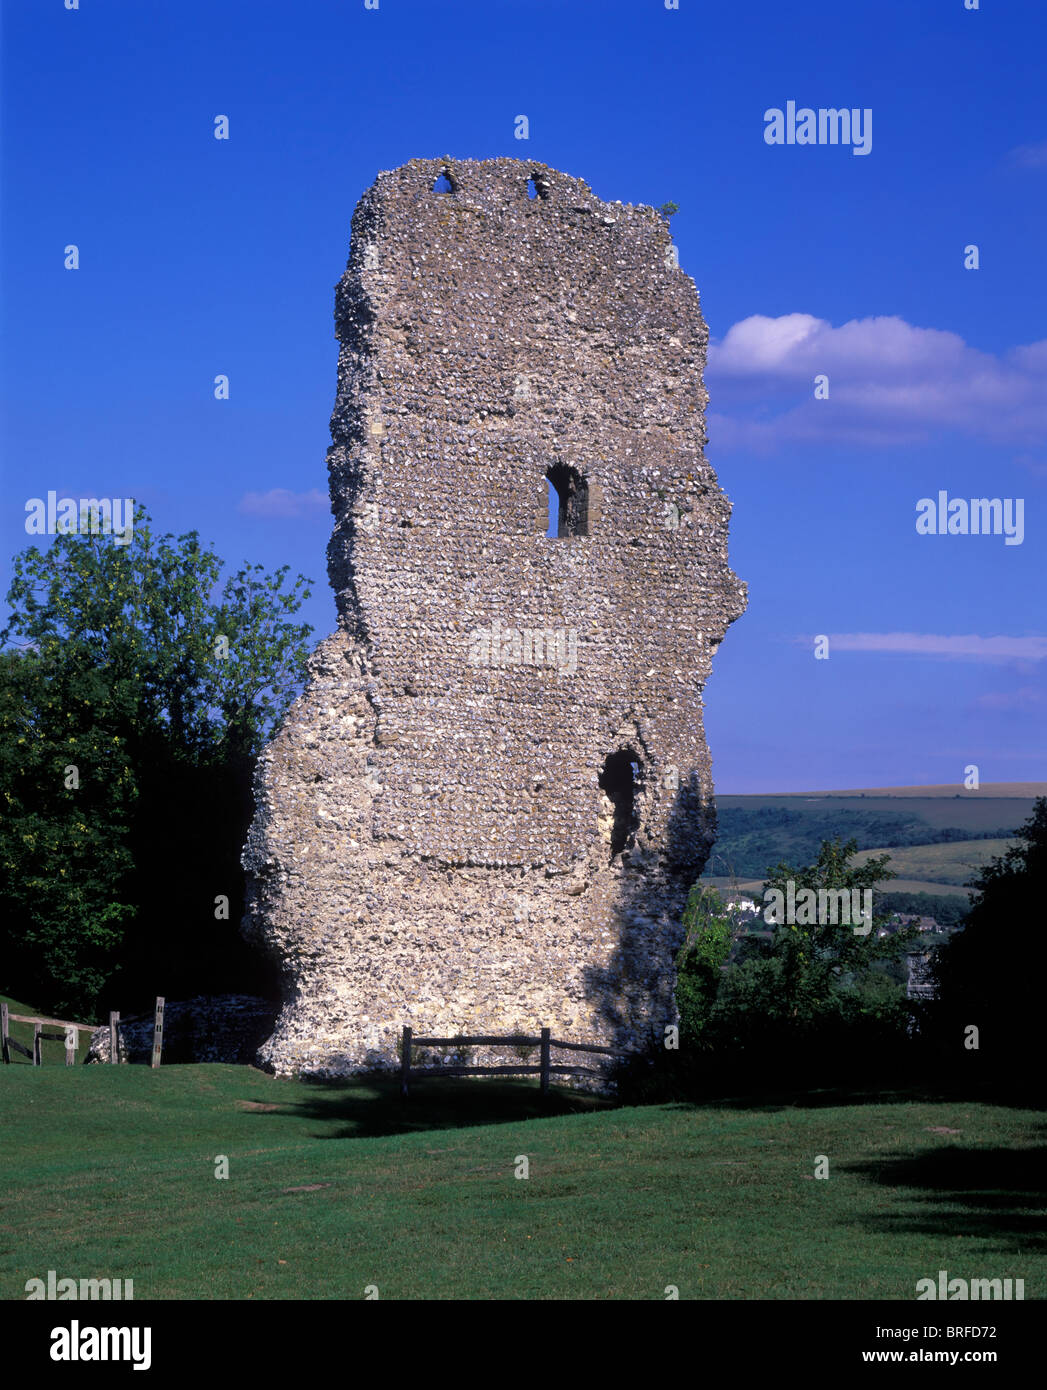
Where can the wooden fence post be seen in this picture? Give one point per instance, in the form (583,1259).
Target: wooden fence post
(114,1037)
(72,1037)
(158,1031)
(4,1049)
(37,1059)
(405,1064)
(546,1033)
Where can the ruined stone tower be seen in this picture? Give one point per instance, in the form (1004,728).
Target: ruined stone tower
(486,810)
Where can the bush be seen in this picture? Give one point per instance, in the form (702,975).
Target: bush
(699,963)
(814,1006)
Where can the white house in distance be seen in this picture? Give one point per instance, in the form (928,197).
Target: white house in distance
(745,905)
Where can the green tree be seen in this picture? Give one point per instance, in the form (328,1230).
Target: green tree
(991,974)
(825,964)
(814,986)
(795,1004)
(699,963)
(64,856)
(129,665)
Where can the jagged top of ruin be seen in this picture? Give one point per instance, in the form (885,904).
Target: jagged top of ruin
(512,333)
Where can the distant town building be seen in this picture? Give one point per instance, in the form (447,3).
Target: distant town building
(745,905)
(908,919)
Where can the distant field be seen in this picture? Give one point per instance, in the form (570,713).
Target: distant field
(972,811)
(756,833)
(946,865)
(945,868)
(922,885)
(895,885)
(1021,791)
(744,885)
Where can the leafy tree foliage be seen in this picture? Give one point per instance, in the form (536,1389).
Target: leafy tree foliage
(826,967)
(948,910)
(796,998)
(134,697)
(64,855)
(987,980)
(699,963)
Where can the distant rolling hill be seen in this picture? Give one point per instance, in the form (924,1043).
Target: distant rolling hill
(938,837)
(950,865)
(988,791)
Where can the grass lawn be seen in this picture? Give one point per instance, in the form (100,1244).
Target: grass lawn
(109,1171)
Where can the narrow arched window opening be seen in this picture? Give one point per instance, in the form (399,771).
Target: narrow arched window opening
(569,497)
(620,783)
(443,184)
(532,191)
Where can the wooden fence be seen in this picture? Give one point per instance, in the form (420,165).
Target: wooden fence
(71,1035)
(544,1070)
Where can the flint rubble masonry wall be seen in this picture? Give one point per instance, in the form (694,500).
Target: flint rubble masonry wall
(207,1028)
(432,844)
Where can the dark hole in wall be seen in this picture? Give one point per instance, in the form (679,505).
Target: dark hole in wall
(443,185)
(572,501)
(620,781)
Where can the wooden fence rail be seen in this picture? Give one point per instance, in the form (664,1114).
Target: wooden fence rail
(70,1035)
(545,1068)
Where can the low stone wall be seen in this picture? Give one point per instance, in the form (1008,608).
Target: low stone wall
(218,1028)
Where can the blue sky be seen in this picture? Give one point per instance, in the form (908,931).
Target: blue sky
(200,257)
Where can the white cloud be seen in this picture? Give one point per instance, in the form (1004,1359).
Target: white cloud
(889,382)
(1025,697)
(279,502)
(967,647)
(1030,156)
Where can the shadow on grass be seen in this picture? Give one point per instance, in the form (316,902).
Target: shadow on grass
(846,1095)
(712,1086)
(773,1100)
(370,1108)
(995,1195)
